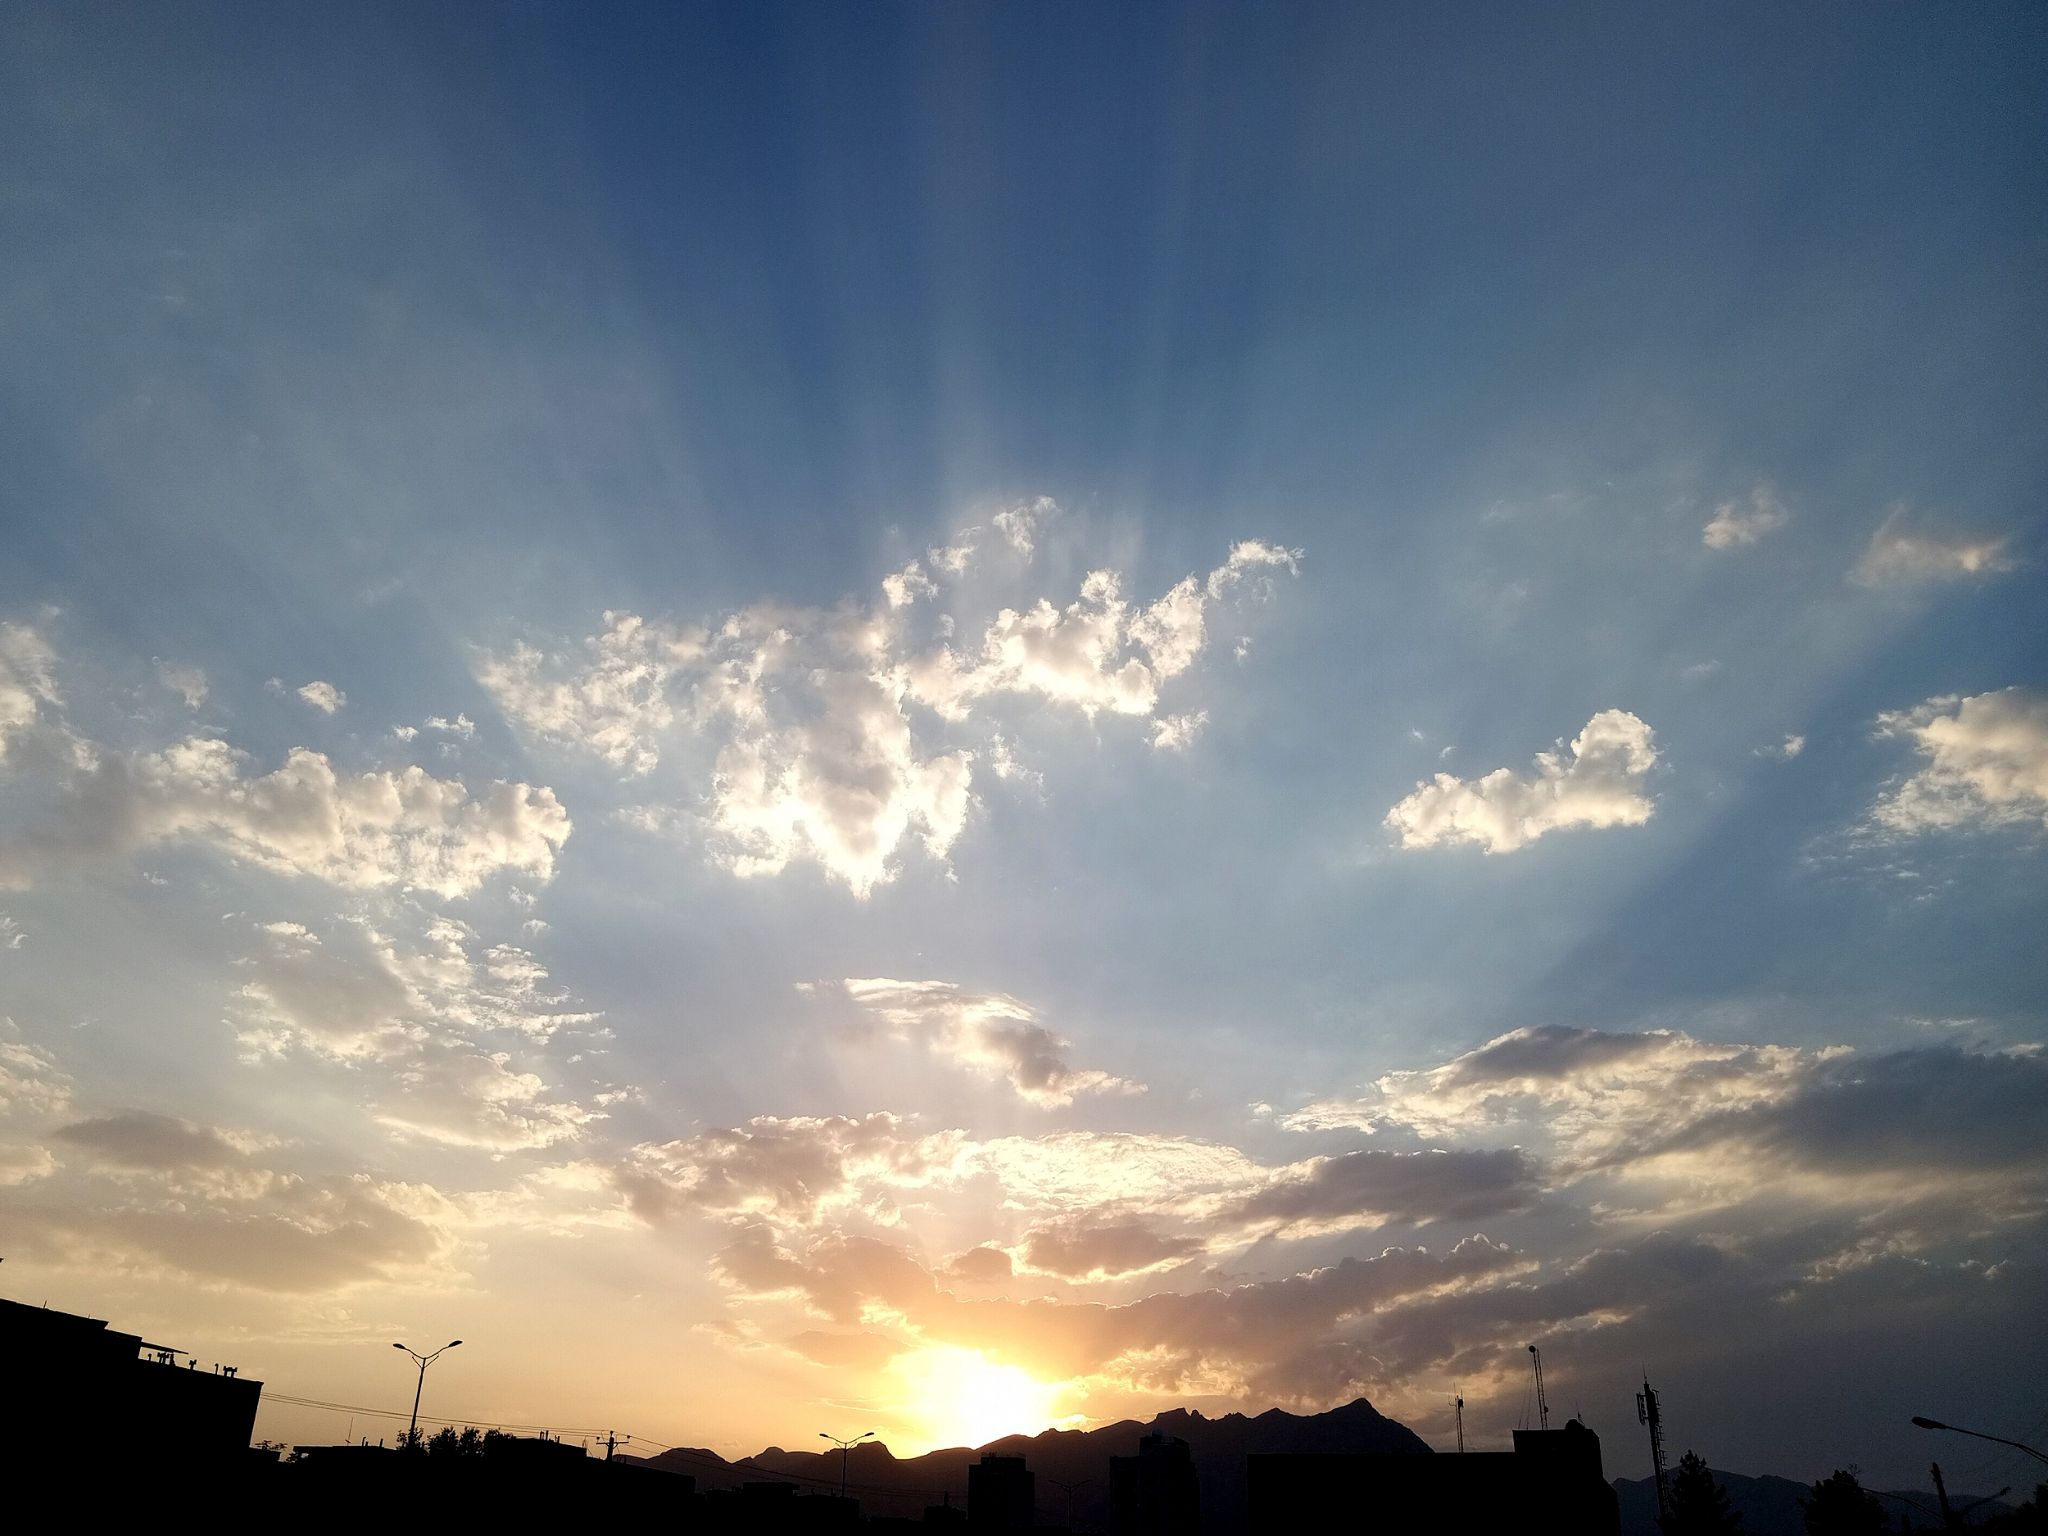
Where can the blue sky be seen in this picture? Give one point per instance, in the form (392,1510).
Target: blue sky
(1657,391)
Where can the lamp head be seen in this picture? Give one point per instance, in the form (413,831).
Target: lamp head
(451,1343)
(1928,1423)
(398,1346)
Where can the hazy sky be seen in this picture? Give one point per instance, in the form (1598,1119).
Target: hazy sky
(952,718)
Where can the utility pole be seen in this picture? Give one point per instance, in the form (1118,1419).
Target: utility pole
(1458,1403)
(611,1443)
(1542,1402)
(1649,1412)
(1948,1520)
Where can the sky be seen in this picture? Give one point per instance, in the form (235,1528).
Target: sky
(954,718)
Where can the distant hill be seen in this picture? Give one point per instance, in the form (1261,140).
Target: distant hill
(1769,1506)
(887,1485)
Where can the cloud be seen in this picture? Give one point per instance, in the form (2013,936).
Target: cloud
(404,829)
(324,697)
(986,1032)
(282,1234)
(463,1097)
(1175,733)
(27,680)
(1371,1187)
(1242,1341)
(1097,1250)
(1590,1092)
(1744,521)
(615,704)
(1899,553)
(829,737)
(187,682)
(1786,750)
(1020,524)
(138,1139)
(1596,782)
(434,1018)
(906,586)
(980,1266)
(1729,1123)
(789,1169)
(461,726)
(31,1082)
(1933,1114)
(1986,763)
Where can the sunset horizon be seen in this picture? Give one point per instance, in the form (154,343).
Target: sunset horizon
(950,720)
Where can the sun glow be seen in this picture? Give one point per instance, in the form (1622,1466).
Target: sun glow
(953,1396)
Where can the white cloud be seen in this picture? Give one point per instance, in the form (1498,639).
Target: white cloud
(1176,733)
(358,992)
(1597,781)
(31,1083)
(1744,521)
(461,726)
(1020,525)
(904,587)
(1986,763)
(818,750)
(433,1019)
(187,682)
(324,697)
(27,680)
(1901,553)
(1786,750)
(11,934)
(472,1098)
(406,829)
(986,1032)
(615,704)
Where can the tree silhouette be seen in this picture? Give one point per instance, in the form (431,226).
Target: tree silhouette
(1840,1507)
(1698,1506)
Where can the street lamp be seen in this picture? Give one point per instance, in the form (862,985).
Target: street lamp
(845,1449)
(412,1435)
(1957,1429)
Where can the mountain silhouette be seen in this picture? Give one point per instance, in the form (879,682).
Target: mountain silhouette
(1770,1506)
(887,1484)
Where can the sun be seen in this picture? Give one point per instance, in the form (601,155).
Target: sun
(947,1395)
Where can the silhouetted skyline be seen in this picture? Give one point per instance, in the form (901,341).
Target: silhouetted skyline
(951,719)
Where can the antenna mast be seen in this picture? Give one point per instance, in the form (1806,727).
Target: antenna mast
(1542,1403)
(1458,1403)
(1648,1412)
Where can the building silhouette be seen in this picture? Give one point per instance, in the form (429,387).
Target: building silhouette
(1002,1494)
(1551,1481)
(1155,1493)
(64,1372)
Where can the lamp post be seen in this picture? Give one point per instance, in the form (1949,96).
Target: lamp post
(1957,1429)
(845,1450)
(412,1435)
(1070,1489)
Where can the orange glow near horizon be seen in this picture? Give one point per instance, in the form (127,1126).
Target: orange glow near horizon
(951,1396)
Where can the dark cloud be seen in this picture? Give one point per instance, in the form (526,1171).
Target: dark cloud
(1123,1246)
(980,1266)
(137,1139)
(1375,1186)
(1936,1109)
